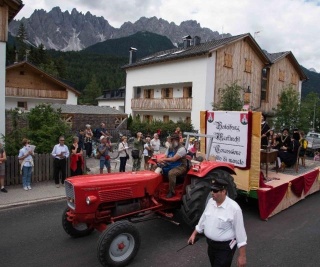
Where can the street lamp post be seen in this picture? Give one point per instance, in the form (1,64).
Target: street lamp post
(314,116)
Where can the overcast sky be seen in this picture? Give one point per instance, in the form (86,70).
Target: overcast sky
(282,24)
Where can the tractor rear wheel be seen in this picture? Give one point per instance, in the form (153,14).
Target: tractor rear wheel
(198,193)
(75,230)
(118,244)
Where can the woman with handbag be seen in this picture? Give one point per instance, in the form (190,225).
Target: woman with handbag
(123,153)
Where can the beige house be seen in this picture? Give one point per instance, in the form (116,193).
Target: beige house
(177,84)
(28,86)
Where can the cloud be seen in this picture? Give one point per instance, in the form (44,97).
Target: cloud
(283,24)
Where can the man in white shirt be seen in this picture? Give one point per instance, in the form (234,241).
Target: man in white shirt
(155,143)
(222,224)
(60,153)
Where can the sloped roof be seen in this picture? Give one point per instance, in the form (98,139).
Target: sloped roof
(56,80)
(122,88)
(83,109)
(275,57)
(197,50)
(14,7)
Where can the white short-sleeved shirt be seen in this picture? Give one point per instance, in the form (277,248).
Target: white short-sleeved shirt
(155,143)
(223,223)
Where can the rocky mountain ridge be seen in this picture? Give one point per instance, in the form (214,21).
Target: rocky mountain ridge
(75,31)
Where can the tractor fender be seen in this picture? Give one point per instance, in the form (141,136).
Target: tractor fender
(205,167)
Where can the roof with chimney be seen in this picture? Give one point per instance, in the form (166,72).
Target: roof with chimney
(275,57)
(197,50)
(84,109)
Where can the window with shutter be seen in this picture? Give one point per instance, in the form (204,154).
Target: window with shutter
(265,84)
(248,65)
(167,93)
(147,118)
(281,75)
(165,118)
(187,92)
(22,105)
(227,60)
(294,78)
(149,93)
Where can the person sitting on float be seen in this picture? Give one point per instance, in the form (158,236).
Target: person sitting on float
(287,157)
(285,140)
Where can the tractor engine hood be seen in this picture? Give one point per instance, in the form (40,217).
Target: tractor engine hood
(111,187)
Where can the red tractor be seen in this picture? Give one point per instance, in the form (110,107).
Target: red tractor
(112,203)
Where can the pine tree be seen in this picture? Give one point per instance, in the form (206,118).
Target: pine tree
(91,92)
(21,38)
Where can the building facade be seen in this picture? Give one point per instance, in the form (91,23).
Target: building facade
(27,86)
(177,84)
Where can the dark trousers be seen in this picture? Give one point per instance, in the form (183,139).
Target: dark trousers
(59,167)
(88,148)
(123,162)
(220,254)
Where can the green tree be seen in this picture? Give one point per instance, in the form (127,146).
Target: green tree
(14,138)
(45,127)
(38,55)
(288,110)
(310,112)
(50,68)
(91,92)
(230,98)
(21,40)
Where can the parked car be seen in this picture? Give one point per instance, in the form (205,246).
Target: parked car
(313,139)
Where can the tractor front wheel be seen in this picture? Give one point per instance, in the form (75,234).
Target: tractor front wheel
(75,230)
(118,244)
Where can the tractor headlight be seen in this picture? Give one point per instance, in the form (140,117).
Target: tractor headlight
(90,199)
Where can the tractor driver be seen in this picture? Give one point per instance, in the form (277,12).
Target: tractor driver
(175,157)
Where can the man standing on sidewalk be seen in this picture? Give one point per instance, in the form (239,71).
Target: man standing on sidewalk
(222,224)
(103,150)
(60,153)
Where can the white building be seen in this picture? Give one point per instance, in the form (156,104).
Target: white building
(177,84)
(113,99)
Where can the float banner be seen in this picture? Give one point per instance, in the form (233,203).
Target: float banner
(231,136)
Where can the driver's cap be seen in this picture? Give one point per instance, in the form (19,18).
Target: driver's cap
(219,184)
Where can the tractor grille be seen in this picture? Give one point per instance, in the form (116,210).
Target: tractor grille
(116,194)
(70,194)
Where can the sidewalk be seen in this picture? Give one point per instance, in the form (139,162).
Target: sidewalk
(45,191)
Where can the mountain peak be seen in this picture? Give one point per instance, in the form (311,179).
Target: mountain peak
(74,31)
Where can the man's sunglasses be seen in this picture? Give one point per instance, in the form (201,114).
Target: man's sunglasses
(215,190)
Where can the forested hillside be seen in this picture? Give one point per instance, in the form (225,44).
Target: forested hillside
(312,84)
(146,43)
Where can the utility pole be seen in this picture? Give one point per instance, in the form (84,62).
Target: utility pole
(314,115)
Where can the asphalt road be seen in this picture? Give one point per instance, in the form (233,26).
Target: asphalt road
(33,236)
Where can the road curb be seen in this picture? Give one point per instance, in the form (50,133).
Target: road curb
(30,202)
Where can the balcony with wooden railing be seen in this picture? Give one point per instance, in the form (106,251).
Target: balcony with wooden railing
(35,93)
(168,104)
